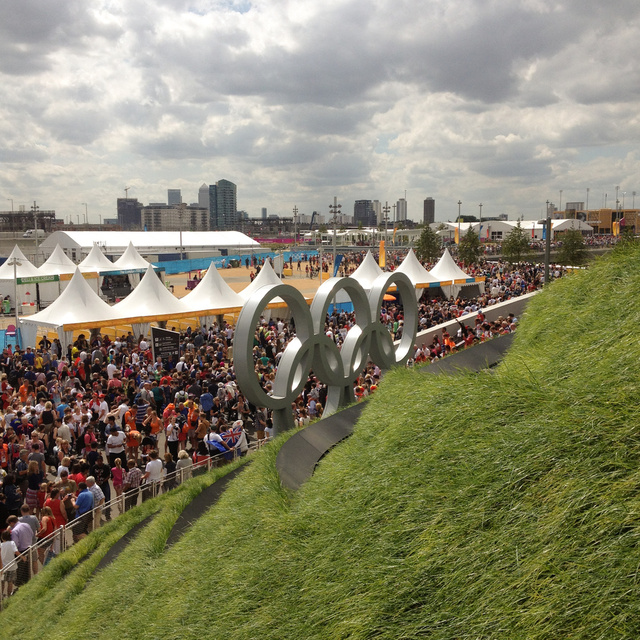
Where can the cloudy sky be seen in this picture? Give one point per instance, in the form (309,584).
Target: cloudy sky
(493,101)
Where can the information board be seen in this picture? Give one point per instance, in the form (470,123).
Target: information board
(165,344)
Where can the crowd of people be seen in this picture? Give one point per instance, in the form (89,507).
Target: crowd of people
(105,417)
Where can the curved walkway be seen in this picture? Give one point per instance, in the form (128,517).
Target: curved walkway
(298,457)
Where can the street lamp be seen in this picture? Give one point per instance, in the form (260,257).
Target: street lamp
(480,225)
(295,226)
(587,198)
(15,263)
(459,205)
(86,213)
(34,209)
(547,247)
(386,210)
(333,209)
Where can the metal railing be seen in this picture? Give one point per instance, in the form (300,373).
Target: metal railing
(42,552)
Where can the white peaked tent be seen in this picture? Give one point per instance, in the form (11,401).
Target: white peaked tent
(96,262)
(132,263)
(367,272)
(448,271)
(57,264)
(213,296)
(24,270)
(150,300)
(266,277)
(77,306)
(419,276)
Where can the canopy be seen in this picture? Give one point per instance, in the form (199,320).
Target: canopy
(77,306)
(131,263)
(150,300)
(96,261)
(23,270)
(213,295)
(57,263)
(448,271)
(419,276)
(367,272)
(266,276)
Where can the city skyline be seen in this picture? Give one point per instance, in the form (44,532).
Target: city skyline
(509,105)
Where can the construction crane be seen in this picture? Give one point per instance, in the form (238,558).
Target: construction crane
(126,192)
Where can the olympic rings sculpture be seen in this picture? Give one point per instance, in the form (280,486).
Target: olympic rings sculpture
(312,350)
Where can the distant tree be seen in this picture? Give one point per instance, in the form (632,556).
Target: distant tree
(515,247)
(322,228)
(429,247)
(572,252)
(469,249)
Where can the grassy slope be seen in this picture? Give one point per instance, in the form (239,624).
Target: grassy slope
(498,505)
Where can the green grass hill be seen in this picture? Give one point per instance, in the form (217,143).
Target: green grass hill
(503,505)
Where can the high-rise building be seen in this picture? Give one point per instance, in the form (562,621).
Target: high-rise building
(363,213)
(174,197)
(401,210)
(264,213)
(129,217)
(203,196)
(377,210)
(223,210)
(164,217)
(429,215)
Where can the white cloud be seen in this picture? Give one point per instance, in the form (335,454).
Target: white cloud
(296,102)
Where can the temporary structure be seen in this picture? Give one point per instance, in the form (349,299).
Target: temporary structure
(212,296)
(150,300)
(367,272)
(130,263)
(452,278)
(58,264)
(23,269)
(78,306)
(419,276)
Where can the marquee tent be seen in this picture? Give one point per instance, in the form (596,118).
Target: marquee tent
(78,306)
(130,263)
(212,296)
(367,272)
(447,271)
(419,276)
(57,264)
(24,269)
(150,300)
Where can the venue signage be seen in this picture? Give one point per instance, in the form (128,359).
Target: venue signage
(165,344)
(38,279)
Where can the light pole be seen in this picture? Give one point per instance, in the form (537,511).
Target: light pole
(587,199)
(86,213)
(295,226)
(480,225)
(633,201)
(386,210)
(617,202)
(333,209)
(15,263)
(624,193)
(459,205)
(547,247)
(560,206)
(35,208)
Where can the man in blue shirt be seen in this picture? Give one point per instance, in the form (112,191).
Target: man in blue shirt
(84,506)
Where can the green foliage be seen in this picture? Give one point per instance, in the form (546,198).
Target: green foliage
(515,247)
(495,505)
(469,247)
(572,252)
(429,246)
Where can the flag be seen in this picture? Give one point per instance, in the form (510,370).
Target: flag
(533,232)
(232,436)
(382,260)
(336,266)
(456,237)
(544,231)
(616,228)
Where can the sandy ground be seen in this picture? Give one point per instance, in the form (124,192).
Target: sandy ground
(237,279)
